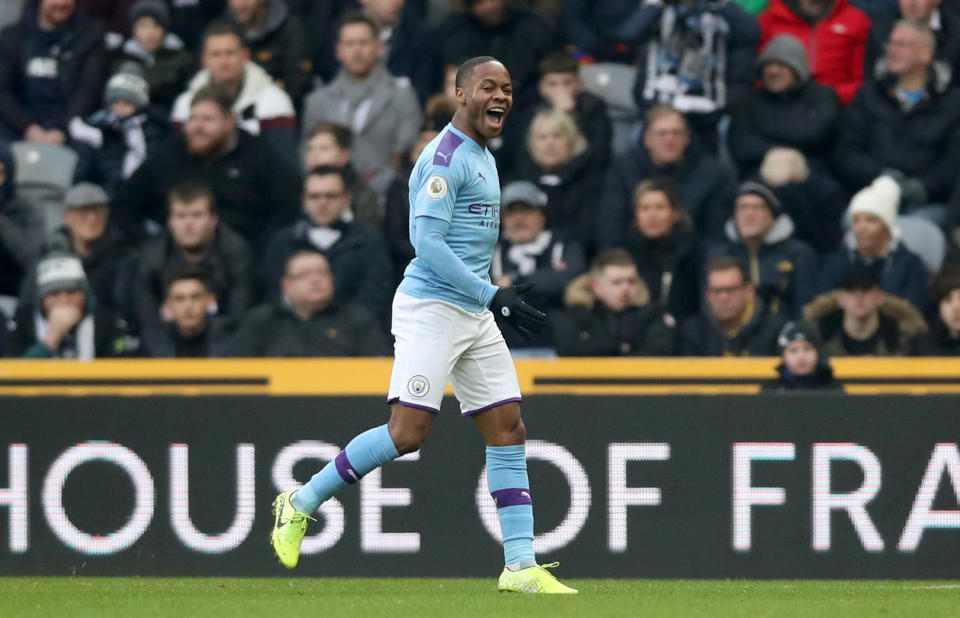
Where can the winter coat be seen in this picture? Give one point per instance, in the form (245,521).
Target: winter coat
(804,117)
(77,61)
(783,270)
(109,334)
(391,122)
(571,191)
(821,379)
(671,268)
(261,109)
(706,190)
(836,43)
(229,264)
(875,133)
(520,43)
(816,207)
(256,191)
(110,149)
(902,273)
(411,52)
(21,231)
(358,260)
(900,325)
(273,330)
(938,342)
(282,49)
(594,27)
(588,328)
(161,341)
(947,40)
(550,262)
(396,224)
(364,203)
(698,57)
(702,336)
(167,70)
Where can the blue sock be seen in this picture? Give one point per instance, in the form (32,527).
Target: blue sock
(507,480)
(368,451)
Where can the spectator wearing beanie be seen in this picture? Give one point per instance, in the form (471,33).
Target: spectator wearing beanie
(164,61)
(873,241)
(944,316)
(115,140)
(782,269)
(788,110)
(803,364)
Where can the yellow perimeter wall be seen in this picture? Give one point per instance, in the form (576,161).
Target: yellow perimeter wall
(369,376)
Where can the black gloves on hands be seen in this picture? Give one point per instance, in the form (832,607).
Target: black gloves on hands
(525,318)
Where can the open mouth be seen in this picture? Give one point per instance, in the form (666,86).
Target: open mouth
(495,116)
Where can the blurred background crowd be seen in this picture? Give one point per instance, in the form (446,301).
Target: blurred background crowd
(203,178)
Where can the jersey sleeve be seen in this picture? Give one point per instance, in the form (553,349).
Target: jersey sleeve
(439,184)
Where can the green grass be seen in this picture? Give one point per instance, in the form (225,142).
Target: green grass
(462,598)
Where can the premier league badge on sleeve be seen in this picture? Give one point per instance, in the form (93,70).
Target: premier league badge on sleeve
(418,386)
(437,186)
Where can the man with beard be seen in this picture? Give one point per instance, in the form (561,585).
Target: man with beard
(255,190)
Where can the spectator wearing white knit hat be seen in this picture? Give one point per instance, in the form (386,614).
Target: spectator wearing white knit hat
(874,241)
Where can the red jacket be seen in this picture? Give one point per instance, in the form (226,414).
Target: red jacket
(835,44)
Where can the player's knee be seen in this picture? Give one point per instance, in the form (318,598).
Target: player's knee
(408,437)
(516,433)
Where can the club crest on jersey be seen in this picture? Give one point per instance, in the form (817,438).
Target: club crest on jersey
(418,386)
(437,186)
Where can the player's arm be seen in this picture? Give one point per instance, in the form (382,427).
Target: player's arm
(431,246)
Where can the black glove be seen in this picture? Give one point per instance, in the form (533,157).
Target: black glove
(508,305)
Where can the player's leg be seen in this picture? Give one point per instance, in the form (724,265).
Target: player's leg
(485,381)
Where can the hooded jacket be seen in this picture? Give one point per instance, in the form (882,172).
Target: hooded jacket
(706,190)
(77,58)
(261,108)
(670,267)
(588,328)
(876,133)
(702,336)
(900,325)
(281,48)
(836,42)
(783,269)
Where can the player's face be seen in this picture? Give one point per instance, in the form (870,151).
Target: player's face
(654,216)
(325,198)
(188,301)
(308,280)
(870,232)
(950,310)
(488,97)
(728,294)
(752,217)
(666,139)
(522,223)
(800,357)
(616,286)
(149,33)
(208,129)
(358,50)
(224,56)
(191,224)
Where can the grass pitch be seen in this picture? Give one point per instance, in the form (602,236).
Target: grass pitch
(465,598)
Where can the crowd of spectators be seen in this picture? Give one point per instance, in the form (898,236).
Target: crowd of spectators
(236,174)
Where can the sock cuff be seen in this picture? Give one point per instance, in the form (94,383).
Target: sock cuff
(507,452)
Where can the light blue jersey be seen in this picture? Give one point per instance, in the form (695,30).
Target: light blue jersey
(455,181)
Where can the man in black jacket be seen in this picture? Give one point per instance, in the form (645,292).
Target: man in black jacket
(309,320)
(52,68)
(194,236)
(735,321)
(357,254)
(256,190)
(609,313)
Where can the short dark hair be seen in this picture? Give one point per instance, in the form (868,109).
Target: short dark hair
(220,28)
(191,191)
(726,262)
(356,17)
(328,170)
(341,134)
(559,62)
(662,110)
(612,257)
(300,253)
(466,69)
(216,95)
(192,272)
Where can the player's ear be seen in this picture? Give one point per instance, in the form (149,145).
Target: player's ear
(461,96)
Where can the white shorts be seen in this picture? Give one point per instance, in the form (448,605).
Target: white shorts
(437,341)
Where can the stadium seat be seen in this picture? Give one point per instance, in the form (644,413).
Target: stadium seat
(925,239)
(44,174)
(613,82)
(8,305)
